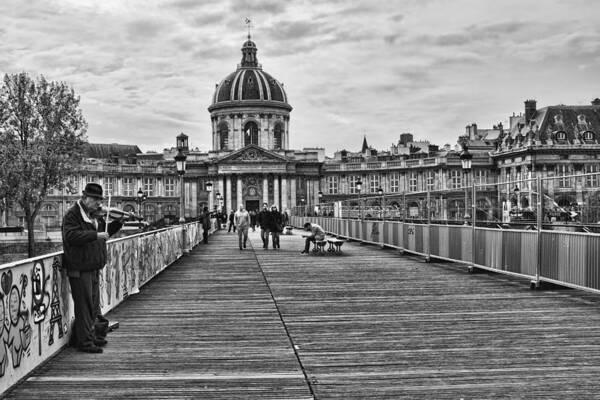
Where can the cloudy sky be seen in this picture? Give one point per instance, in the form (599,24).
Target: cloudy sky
(146,69)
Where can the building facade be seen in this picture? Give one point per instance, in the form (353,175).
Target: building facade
(251,163)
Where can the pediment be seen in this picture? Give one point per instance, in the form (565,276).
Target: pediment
(253,154)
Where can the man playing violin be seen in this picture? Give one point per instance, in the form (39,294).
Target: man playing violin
(84,236)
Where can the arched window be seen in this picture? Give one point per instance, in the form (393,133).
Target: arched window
(129,208)
(278,136)
(250,133)
(223,130)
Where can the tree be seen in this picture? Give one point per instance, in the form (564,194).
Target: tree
(42,132)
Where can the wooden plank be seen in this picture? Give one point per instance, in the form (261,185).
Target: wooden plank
(367,323)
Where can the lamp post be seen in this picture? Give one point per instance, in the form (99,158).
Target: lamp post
(465,160)
(320,194)
(180,163)
(302,206)
(517,200)
(209,188)
(358,189)
(380,193)
(141,198)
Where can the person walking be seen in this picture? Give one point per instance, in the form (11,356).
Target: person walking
(316,234)
(252,220)
(263,221)
(275,220)
(84,244)
(205,221)
(242,222)
(231,221)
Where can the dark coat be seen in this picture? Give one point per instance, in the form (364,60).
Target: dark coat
(82,248)
(205,220)
(274,221)
(263,220)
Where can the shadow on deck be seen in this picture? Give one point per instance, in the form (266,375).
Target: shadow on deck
(370,323)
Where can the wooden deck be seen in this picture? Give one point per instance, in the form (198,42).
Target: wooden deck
(370,323)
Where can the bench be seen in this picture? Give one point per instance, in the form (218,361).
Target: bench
(335,245)
(319,246)
(288,230)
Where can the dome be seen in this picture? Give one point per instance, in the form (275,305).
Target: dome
(249,84)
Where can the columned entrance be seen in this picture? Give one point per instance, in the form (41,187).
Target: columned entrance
(252,205)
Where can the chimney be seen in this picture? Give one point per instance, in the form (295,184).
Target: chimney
(529,110)
(473,131)
(596,102)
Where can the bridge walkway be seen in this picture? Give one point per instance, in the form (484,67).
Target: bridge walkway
(275,324)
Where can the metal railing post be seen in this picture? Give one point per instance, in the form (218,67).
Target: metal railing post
(473,245)
(428,257)
(535,284)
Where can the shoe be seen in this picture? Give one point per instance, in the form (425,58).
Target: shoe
(240,247)
(244,245)
(90,349)
(100,342)
(303,252)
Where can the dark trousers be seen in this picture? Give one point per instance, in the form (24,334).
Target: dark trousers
(275,235)
(100,322)
(85,310)
(205,235)
(264,235)
(307,244)
(231,225)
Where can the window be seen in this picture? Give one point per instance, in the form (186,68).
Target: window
(455,179)
(278,136)
(353,179)
(223,130)
(128,186)
(394,182)
(332,184)
(480,176)
(561,171)
(250,133)
(109,186)
(430,180)
(148,186)
(91,179)
(561,135)
(170,187)
(47,208)
(592,180)
(588,136)
(412,182)
(373,183)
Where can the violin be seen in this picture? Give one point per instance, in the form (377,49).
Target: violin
(116,213)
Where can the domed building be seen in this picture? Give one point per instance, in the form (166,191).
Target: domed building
(250,162)
(250,107)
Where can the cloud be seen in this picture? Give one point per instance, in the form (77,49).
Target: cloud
(257,6)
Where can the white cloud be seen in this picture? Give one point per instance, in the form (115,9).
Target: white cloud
(146,70)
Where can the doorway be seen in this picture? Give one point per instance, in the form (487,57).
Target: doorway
(252,205)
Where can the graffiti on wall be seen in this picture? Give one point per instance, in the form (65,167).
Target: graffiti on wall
(19,329)
(40,298)
(55,311)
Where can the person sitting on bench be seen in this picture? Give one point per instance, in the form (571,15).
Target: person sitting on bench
(317,234)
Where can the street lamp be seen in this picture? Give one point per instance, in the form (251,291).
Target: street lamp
(180,164)
(465,160)
(517,199)
(358,186)
(302,205)
(320,194)
(141,197)
(209,188)
(380,193)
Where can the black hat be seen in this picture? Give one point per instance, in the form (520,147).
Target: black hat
(93,190)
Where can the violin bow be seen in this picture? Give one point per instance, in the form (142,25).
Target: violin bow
(107,215)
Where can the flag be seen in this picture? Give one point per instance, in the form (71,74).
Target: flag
(247,21)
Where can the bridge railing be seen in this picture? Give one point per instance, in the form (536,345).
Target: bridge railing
(542,229)
(36,308)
